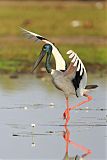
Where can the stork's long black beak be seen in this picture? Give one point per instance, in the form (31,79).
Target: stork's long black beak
(42,54)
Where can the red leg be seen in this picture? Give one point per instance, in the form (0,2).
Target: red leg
(79,104)
(66,113)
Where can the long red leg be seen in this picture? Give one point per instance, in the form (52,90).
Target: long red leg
(79,104)
(66,113)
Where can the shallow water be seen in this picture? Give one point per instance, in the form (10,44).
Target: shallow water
(31,124)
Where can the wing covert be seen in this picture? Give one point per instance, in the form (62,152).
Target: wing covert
(79,75)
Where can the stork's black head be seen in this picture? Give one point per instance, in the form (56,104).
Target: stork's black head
(46,49)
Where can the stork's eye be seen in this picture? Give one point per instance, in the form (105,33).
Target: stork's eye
(44,49)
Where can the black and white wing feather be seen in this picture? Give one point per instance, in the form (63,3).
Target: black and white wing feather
(79,78)
(34,36)
(60,62)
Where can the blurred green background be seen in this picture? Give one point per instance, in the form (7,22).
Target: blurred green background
(77,25)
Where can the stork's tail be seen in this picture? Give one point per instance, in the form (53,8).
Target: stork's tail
(91,86)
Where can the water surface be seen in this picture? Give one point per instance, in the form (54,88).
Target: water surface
(28,101)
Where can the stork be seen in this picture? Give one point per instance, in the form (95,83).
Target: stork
(71,80)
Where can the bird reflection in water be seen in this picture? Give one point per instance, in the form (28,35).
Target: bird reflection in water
(66,137)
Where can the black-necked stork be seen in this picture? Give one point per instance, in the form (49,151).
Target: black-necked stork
(71,80)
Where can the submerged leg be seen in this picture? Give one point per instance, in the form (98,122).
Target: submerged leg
(66,113)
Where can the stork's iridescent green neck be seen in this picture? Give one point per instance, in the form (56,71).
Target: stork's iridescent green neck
(48,49)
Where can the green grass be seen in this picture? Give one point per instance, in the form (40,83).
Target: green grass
(88,53)
(27,50)
(51,19)
(23,53)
